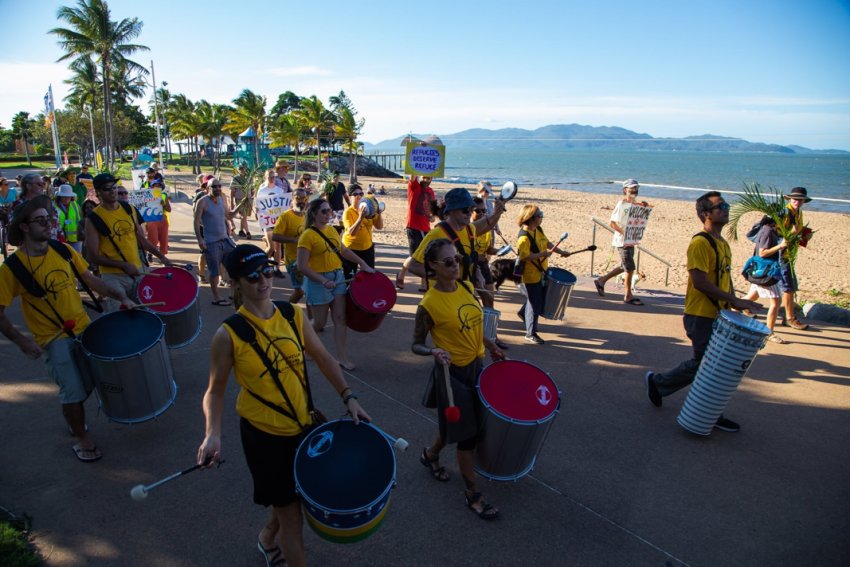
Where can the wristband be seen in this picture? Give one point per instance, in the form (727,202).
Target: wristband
(343,391)
(348,398)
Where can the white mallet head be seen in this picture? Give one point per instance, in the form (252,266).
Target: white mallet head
(401,444)
(138,492)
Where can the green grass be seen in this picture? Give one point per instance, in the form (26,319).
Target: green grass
(15,549)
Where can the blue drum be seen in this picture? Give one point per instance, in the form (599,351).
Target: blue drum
(344,474)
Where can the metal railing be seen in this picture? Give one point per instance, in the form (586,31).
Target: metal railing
(639,248)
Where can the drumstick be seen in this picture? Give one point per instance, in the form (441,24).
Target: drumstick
(452,412)
(67,326)
(590,248)
(140,491)
(482,290)
(141,305)
(167,276)
(563,237)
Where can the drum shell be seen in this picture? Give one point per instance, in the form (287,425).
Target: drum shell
(344,474)
(181,314)
(559,288)
(734,343)
(370,297)
(491,322)
(134,380)
(508,447)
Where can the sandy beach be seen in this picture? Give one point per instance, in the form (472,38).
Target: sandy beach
(822,266)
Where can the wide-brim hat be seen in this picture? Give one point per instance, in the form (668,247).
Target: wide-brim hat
(245,259)
(65,190)
(458,198)
(799,193)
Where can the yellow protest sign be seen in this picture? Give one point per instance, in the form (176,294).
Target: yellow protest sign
(425,159)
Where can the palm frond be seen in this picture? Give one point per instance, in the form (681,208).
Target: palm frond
(754,199)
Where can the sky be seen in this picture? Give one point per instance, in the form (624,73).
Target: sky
(773,71)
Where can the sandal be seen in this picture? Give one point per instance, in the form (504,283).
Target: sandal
(774,338)
(433,464)
(487,511)
(600,288)
(272,555)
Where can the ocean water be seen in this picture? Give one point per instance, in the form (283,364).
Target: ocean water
(668,175)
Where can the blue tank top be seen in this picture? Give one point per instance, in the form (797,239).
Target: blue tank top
(215,228)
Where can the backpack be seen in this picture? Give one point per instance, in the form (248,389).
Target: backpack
(761,271)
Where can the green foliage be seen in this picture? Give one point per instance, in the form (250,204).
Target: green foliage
(15,549)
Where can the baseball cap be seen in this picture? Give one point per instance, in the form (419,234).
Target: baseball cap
(102,180)
(244,259)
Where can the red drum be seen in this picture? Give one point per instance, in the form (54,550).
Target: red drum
(520,402)
(370,297)
(178,288)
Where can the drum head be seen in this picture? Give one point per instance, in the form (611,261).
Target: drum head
(342,467)
(175,286)
(742,321)
(122,334)
(561,276)
(508,191)
(373,293)
(506,249)
(518,390)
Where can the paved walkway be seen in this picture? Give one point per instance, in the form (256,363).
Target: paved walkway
(617,483)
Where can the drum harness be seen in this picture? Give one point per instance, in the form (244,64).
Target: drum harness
(245,329)
(470,261)
(534,250)
(711,241)
(103,230)
(330,244)
(28,281)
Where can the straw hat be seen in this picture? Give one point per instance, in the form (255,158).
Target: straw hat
(799,193)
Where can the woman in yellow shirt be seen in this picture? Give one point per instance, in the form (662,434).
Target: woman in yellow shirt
(357,231)
(534,249)
(320,255)
(270,438)
(453,317)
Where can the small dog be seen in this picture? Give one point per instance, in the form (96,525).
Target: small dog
(503,269)
(637,276)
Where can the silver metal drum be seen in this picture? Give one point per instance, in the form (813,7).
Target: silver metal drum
(520,403)
(178,290)
(491,322)
(735,341)
(125,352)
(559,287)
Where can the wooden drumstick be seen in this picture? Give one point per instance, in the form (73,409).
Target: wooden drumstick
(67,326)
(452,412)
(142,305)
(167,276)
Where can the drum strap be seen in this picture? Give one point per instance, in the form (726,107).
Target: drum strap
(247,332)
(330,244)
(716,263)
(469,260)
(100,226)
(534,248)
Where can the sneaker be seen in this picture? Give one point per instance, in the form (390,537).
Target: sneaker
(796,324)
(724,424)
(241,233)
(652,390)
(534,339)
(278,273)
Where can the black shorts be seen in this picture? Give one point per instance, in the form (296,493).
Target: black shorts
(484,268)
(271,460)
(414,239)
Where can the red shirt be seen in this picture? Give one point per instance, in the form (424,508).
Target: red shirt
(418,208)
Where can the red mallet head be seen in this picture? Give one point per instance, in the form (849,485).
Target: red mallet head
(69,325)
(358,277)
(452,414)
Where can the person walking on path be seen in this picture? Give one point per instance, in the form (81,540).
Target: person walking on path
(320,255)
(454,319)
(788,282)
(484,249)
(157,231)
(769,245)
(338,199)
(709,290)
(113,239)
(70,217)
(49,302)
(618,222)
(212,211)
(357,234)
(418,223)
(275,415)
(269,203)
(281,169)
(287,230)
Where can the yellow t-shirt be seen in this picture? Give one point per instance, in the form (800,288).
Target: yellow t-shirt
(252,374)
(701,257)
(322,256)
(54,274)
(483,242)
(362,240)
(458,323)
(531,273)
(438,232)
(289,224)
(123,229)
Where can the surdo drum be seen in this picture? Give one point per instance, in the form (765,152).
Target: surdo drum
(520,403)
(735,341)
(179,290)
(125,353)
(344,473)
(370,297)
(559,287)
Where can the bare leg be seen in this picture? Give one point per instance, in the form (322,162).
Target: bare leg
(291,521)
(627,283)
(214,287)
(464,462)
(772,311)
(296,296)
(320,316)
(340,331)
(75,415)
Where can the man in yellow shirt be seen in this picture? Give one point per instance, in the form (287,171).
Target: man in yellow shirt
(113,238)
(287,229)
(52,309)
(709,290)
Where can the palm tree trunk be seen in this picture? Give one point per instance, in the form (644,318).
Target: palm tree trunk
(256,147)
(27,151)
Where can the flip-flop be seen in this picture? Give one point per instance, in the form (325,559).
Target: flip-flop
(634,301)
(87,455)
(348,366)
(222,303)
(272,555)
(600,288)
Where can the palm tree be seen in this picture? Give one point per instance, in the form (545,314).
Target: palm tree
(213,119)
(315,116)
(127,83)
(94,34)
(250,112)
(85,83)
(287,131)
(22,126)
(347,129)
(182,114)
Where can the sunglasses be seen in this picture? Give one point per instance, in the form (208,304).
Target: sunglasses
(43,221)
(265,271)
(451,261)
(357,194)
(123,193)
(721,206)
(467,210)
(633,192)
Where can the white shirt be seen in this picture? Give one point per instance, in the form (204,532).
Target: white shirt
(621,217)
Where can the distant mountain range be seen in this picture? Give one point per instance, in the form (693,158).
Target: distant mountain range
(578,136)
